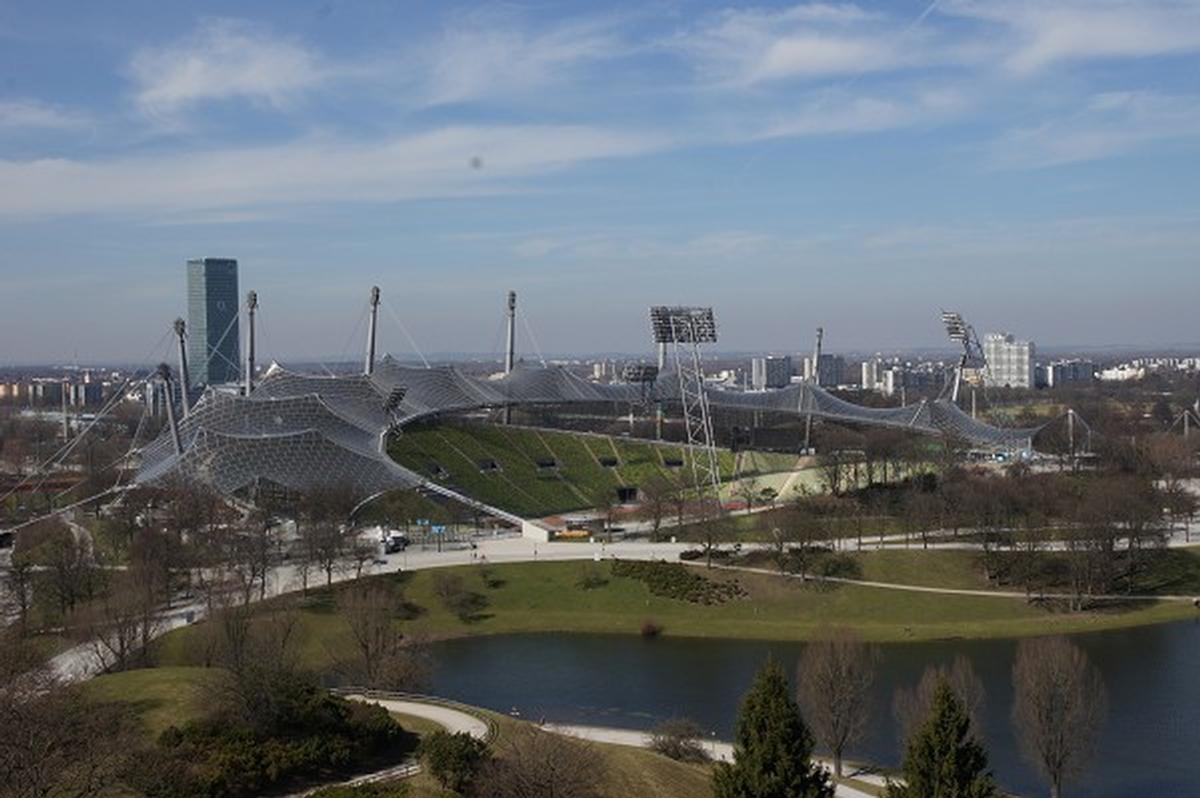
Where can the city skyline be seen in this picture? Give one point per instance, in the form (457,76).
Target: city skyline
(853,166)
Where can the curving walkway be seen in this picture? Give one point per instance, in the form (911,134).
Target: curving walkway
(718,750)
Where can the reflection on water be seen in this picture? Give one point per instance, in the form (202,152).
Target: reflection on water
(1149,747)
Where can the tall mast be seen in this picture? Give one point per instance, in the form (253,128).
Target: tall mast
(369,368)
(510,347)
(251,307)
(185,384)
(164,374)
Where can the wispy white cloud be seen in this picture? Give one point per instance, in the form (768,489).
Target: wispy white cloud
(225,59)
(491,58)
(1108,124)
(866,111)
(1048,33)
(746,47)
(16,114)
(452,161)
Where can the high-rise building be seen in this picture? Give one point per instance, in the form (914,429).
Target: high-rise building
(1009,361)
(213,353)
(770,372)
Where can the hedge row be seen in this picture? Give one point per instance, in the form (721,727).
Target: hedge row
(676,581)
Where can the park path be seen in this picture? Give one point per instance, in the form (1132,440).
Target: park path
(950,591)
(717,750)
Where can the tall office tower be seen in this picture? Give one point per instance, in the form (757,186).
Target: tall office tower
(1009,361)
(213,353)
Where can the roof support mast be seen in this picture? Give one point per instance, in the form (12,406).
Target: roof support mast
(164,374)
(185,387)
(815,379)
(369,367)
(510,345)
(251,307)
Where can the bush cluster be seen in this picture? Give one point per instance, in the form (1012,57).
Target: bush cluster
(675,581)
(700,554)
(311,733)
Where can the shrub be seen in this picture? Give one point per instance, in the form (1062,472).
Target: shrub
(453,759)
(841,566)
(590,578)
(679,738)
(650,629)
(677,581)
(466,604)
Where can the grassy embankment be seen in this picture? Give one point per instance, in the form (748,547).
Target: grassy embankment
(573,469)
(549,597)
(165,696)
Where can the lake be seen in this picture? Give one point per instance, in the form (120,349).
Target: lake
(1150,745)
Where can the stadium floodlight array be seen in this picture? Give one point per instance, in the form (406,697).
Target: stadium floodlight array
(639,373)
(956,327)
(683,325)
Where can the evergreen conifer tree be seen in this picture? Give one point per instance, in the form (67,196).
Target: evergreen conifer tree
(944,760)
(772,755)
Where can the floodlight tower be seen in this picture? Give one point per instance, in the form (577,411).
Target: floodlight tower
(251,309)
(964,334)
(685,329)
(369,367)
(185,388)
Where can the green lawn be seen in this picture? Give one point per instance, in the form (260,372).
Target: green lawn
(546,597)
(625,771)
(160,697)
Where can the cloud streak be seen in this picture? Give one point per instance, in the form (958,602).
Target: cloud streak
(451,161)
(225,59)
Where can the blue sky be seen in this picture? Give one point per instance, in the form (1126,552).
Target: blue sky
(855,165)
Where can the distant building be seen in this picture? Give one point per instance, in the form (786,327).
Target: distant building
(1060,372)
(213,351)
(1009,361)
(832,371)
(770,372)
(870,374)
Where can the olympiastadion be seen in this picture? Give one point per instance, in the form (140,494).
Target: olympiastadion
(300,431)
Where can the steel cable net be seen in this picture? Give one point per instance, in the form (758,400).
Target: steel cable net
(301,431)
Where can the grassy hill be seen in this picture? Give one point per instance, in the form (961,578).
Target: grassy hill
(159,697)
(534,472)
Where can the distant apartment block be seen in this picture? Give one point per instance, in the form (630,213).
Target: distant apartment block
(1009,361)
(831,372)
(1062,372)
(770,372)
(213,352)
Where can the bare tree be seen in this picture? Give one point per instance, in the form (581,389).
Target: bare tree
(53,742)
(120,625)
(911,706)
(1059,705)
(68,566)
(537,764)
(656,497)
(324,546)
(834,680)
(18,585)
(749,491)
(369,610)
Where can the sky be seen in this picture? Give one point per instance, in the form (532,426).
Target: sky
(857,166)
